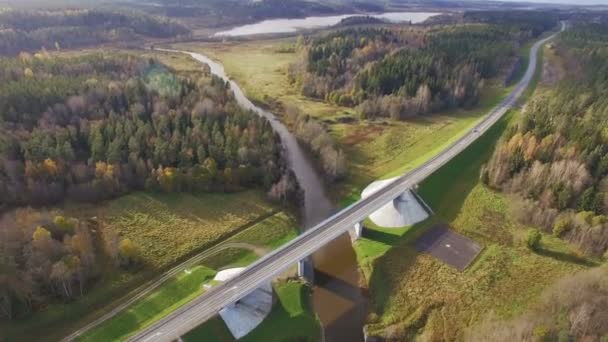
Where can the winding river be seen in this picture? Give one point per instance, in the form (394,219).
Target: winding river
(337,298)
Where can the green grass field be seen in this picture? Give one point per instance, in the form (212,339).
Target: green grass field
(291,319)
(262,236)
(167,228)
(166,299)
(415,295)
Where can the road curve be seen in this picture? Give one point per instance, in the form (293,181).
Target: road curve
(208,304)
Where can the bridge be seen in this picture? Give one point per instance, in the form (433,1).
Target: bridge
(272,265)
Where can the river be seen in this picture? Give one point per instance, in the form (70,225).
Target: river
(337,298)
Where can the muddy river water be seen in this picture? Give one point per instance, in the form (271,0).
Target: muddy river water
(337,298)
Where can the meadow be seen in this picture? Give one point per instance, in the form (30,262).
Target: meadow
(256,240)
(415,295)
(168,229)
(175,293)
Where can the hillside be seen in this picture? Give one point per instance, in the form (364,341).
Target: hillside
(32,30)
(556,159)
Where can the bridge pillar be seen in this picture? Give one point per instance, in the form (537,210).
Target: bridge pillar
(358,230)
(306,269)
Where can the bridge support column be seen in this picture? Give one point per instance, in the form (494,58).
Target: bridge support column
(306,269)
(358,230)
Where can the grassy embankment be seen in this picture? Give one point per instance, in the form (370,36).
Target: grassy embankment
(416,295)
(291,318)
(168,229)
(265,235)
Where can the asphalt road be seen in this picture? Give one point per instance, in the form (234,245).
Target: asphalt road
(208,304)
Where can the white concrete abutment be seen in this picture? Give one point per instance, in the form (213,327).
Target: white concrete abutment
(405,210)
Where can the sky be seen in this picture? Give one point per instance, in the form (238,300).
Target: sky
(571,2)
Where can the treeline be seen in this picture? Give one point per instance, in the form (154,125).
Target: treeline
(97,126)
(557,155)
(313,135)
(45,258)
(35,30)
(532,22)
(223,12)
(406,72)
(574,309)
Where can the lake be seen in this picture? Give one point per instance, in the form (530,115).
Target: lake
(293,25)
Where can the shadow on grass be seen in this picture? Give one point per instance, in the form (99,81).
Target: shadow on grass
(214,330)
(381,236)
(566,257)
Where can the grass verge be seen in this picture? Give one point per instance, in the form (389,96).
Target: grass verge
(175,293)
(256,240)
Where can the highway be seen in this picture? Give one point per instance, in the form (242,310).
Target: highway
(270,266)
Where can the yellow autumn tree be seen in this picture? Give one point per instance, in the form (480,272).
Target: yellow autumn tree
(50,167)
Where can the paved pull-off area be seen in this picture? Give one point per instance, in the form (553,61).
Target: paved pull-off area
(270,266)
(448,246)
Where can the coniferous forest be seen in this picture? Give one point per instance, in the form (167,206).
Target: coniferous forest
(400,73)
(97,126)
(93,127)
(32,30)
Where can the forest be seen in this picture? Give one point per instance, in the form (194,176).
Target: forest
(97,126)
(403,72)
(240,11)
(556,157)
(45,257)
(32,30)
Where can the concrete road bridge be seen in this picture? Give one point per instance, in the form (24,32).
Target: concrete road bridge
(272,265)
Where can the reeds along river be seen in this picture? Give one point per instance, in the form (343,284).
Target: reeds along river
(336,297)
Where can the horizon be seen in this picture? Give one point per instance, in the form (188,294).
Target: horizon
(561,2)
